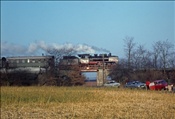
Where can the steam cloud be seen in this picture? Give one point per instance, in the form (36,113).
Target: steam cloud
(36,48)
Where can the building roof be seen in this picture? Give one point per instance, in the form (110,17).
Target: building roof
(30,57)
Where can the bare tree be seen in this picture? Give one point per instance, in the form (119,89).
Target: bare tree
(129,48)
(59,53)
(120,72)
(67,74)
(148,60)
(141,58)
(156,53)
(70,76)
(165,53)
(172,60)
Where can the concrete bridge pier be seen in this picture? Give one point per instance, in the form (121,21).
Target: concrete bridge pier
(101,76)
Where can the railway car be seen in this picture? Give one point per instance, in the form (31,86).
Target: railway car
(29,63)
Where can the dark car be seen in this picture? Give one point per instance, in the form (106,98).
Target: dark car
(158,85)
(135,84)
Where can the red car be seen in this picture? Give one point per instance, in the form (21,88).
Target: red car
(158,85)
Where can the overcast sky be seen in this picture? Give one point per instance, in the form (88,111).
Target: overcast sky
(29,28)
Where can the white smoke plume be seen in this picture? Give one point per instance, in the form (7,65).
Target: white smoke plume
(39,47)
(100,49)
(11,49)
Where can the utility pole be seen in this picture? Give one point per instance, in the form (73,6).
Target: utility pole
(103,70)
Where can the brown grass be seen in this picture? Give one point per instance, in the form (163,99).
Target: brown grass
(85,102)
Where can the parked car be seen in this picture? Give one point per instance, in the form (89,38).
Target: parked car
(135,84)
(112,83)
(158,85)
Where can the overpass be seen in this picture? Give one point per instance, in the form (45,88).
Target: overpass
(102,64)
(102,73)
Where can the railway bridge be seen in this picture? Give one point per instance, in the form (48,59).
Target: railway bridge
(102,73)
(100,64)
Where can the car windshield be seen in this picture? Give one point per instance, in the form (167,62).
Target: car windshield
(129,83)
(133,82)
(160,82)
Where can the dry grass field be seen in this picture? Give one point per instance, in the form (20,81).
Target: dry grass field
(85,103)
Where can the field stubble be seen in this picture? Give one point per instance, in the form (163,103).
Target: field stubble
(85,102)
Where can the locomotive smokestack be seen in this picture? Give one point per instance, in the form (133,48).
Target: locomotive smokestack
(109,54)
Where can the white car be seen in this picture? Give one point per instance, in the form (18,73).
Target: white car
(112,83)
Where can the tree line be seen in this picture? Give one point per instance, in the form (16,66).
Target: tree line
(161,56)
(143,64)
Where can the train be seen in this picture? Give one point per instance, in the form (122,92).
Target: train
(88,62)
(95,59)
(44,62)
(89,59)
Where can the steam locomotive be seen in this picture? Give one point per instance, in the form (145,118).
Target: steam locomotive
(87,61)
